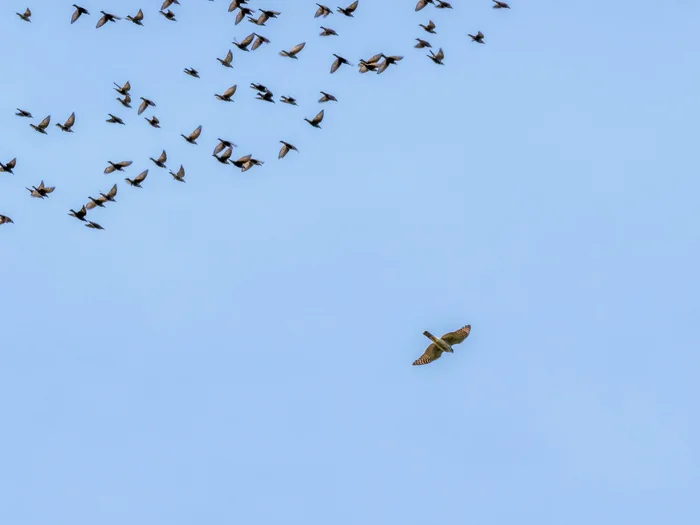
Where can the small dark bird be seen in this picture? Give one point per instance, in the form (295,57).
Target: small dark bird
(259,87)
(122,90)
(99,201)
(443,5)
(242,161)
(259,40)
(226,97)
(94,225)
(180,175)
(146,102)
(252,162)
(269,14)
(138,179)
(422,43)
(327,97)
(243,44)
(236,4)
(388,60)
(500,5)
(316,120)
(338,62)
(69,124)
(41,127)
(168,3)
(226,61)
(192,137)
(266,96)
(4,219)
(349,10)
(106,17)
(7,168)
(479,37)
(126,101)
(78,11)
(114,120)
(117,166)
(289,100)
(422,3)
(160,161)
(225,156)
(153,121)
(80,214)
(323,11)
(244,11)
(223,144)
(437,57)
(264,17)
(191,72)
(169,15)
(41,191)
(137,18)
(328,32)
(292,53)
(430,28)
(286,147)
(110,194)
(26,16)
(365,66)
(23,113)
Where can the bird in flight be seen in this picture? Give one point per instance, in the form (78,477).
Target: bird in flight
(442,344)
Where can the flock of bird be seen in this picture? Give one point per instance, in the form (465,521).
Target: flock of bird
(223,150)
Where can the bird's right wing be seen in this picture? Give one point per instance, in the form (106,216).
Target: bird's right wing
(431,354)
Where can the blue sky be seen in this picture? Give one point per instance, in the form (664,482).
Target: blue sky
(238,349)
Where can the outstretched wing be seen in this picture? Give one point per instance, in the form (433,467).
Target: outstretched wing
(456,337)
(318,118)
(141,176)
(297,48)
(196,133)
(351,8)
(431,354)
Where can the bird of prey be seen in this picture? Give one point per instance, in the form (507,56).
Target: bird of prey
(223,144)
(136,182)
(288,100)
(500,5)
(117,166)
(430,28)
(78,11)
(479,37)
(422,43)
(114,120)
(327,97)
(4,219)
(349,10)
(106,17)
(192,137)
(442,344)
(437,57)
(69,124)
(41,191)
(226,61)
(316,120)
(153,121)
(41,127)
(168,3)
(388,60)
(180,175)
(327,31)
(338,62)
(160,161)
(169,15)
(292,53)
(259,40)
(94,225)
(191,72)
(225,156)
(23,113)
(323,11)
(265,96)
(7,168)
(443,5)
(146,102)
(286,147)
(80,214)
(422,3)
(226,96)
(26,16)
(137,18)
(122,90)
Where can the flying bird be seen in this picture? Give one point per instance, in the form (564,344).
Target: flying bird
(442,344)
(437,57)
(226,96)
(244,11)
(223,144)
(192,137)
(323,11)
(500,5)
(41,127)
(122,90)
(41,191)
(136,182)
(327,97)
(26,16)
(443,5)
(110,194)
(4,219)
(106,17)
(153,121)
(422,43)
(146,102)
(94,225)
(137,18)
(168,3)
(243,44)
(338,62)
(76,14)
(191,72)
(259,40)
(80,214)
(226,61)
(430,28)
(422,3)
(286,147)
(292,53)
(349,10)
(126,101)
(23,113)
(289,100)
(114,120)
(225,156)
(169,15)
(117,166)
(388,60)
(479,37)
(259,87)
(67,127)
(7,168)
(98,202)
(316,120)
(328,32)
(265,96)
(180,175)
(160,161)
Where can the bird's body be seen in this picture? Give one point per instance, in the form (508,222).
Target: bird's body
(323,11)
(437,57)
(23,113)
(117,166)
(79,11)
(192,137)
(41,127)
(136,182)
(7,168)
(123,90)
(478,38)
(106,17)
(327,31)
(316,121)
(160,161)
(288,100)
(226,96)
(153,121)
(422,43)
(349,10)
(497,4)
(67,127)
(137,18)
(292,53)
(286,148)
(4,219)
(226,61)
(442,344)
(80,214)
(144,104)
(114,120)
(180,175)
(191,72)
(339,61)
(26,16)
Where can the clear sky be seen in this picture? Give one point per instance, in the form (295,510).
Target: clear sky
(238,349)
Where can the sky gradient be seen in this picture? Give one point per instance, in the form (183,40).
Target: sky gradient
(238,349)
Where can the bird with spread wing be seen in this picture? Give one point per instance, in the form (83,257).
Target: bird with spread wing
(442,344)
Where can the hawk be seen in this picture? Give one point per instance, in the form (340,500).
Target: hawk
(442,344)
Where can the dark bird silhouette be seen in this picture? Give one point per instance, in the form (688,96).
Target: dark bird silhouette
(192,137)
(226,61)
(77,13)
(168,3)
(4,219)
(236,4)
(289,100)
(223,144)
(169,15)
(7,168)
(479,37)
(422,43)
(160,161)
(422,3)
(122,90)
(388,60)
(316,120)
(338,62)
(117,166)
(136,182)
(269,14)
(98,202)
(437,57)
(430,28)
(23,113)
(126,101)
(110,194)
(226,96)
(144,104)
(180,175)
(191,72)
(41,127)
(41,191)
(26,16)
(225,156)
(94,225)
(259,40)
(114,120)
(442,344)
(67,127)
(443,5)
(292,53)
(244,11)
(349,10)
(286,148)
(243,44)
(153,121)
(323,11)
(327,97)
(106,17)
(328,32)
(265,96)
(137,18)
(259,87)
(250,163)
(365,66)
(80,214)
(500,5)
